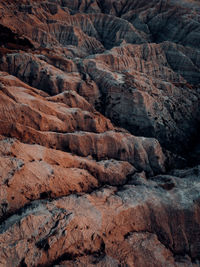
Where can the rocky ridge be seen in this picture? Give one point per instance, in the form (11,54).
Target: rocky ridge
(99,133)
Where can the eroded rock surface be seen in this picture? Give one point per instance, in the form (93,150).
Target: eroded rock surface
(146,225)
(99,133)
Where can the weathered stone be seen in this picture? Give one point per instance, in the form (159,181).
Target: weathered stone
(99,133)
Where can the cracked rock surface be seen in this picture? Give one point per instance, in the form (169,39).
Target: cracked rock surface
(99,133)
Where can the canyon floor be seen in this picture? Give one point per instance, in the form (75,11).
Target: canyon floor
(100,133)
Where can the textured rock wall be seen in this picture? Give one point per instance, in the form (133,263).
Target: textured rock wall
(99,133)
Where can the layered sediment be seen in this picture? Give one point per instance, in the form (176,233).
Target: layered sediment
(99,133)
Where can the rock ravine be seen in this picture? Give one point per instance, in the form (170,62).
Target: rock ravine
(99,133)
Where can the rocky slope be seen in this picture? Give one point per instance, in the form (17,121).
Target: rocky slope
(99,133)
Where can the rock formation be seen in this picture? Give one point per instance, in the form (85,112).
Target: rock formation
(99,133)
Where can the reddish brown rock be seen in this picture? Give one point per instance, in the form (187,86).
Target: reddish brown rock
(33,172)
(156,80)
(33,119)
(77,189)
(20,104)
(140,224)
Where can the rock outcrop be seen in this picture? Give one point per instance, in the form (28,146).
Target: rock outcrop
(147,226)
(99,133)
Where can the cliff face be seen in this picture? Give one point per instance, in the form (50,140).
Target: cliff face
(99,133)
